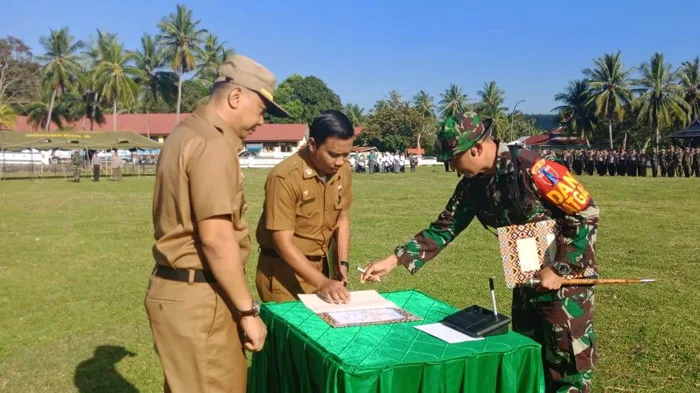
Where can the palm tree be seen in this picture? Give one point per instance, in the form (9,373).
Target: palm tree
(210,58)
(154,83)
(608,85)
(690,80)
(491,99)
(114,77)
(8,118)
(354,113)
(575,110)
(38,112)
(425,103)
(96,53)
(180,39)
(453,101)
(61,63)
(661,99)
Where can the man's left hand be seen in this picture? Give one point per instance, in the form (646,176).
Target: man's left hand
(549,280)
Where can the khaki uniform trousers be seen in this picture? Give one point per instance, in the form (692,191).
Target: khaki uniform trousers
(276,281)
(196,337)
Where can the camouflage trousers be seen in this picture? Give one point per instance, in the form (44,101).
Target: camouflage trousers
(562,322)
(76,173)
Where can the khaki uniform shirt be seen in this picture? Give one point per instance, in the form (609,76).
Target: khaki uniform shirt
(197,177)
(297,199)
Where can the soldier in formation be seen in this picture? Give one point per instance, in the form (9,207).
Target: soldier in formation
(671,162)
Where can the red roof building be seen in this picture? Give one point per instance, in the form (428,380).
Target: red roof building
(268,139)
(556,137)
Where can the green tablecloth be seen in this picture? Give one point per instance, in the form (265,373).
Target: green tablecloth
(304,354)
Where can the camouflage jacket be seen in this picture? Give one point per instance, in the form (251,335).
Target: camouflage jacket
(490,198)
(75,158)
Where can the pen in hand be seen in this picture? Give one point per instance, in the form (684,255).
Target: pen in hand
(361,270)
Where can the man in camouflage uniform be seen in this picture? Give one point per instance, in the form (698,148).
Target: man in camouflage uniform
(671,161)
(677,158)
(654,159)
(686,161)
(696,162)
(76,160)
(663,163)
(504,187)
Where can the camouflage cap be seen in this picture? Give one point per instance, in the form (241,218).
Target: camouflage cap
(458,134)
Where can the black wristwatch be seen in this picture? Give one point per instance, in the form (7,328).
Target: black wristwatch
(253,312)
(346,264)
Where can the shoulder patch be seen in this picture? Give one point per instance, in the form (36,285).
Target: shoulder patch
(559,187)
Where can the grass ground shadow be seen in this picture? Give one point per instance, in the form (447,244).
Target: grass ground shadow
(98,374)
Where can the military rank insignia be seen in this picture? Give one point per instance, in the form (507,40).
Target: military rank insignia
(559,187)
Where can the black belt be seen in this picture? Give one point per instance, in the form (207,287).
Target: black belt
(269,252)
(183,275)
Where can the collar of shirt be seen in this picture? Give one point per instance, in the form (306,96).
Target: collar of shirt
(212,117)
(503,159)
(308,171)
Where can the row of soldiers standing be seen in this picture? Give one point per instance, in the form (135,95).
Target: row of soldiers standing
(672,162)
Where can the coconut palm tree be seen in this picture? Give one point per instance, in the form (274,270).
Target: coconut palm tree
(575,111)
(154,84)
(425,103)
(690,80)
(661,100)
(210,57)
(490,106)
(453,101)
(609,88)
(61,63)
(96,52)
(354,113)
(38,112)
(180,39)
(114,77)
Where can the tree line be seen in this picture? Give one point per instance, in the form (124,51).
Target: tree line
(81,82)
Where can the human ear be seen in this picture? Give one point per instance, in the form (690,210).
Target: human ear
(234,97)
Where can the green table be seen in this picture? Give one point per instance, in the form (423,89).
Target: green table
(304,354)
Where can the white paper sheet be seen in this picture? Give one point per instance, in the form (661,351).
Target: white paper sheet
(366,316)
(446,333)
(359,300)
(527,254)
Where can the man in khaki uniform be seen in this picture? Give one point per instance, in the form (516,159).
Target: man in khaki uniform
(197,300)
(307,202)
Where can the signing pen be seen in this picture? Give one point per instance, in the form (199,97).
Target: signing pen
(361,270)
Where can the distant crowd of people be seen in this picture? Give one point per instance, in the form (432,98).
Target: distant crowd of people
(384,162)
(671,162)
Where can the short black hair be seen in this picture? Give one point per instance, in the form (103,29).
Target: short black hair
(331,123)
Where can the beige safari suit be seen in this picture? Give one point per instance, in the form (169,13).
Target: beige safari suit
(194,330)
(297,199)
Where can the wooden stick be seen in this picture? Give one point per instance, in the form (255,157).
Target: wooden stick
(594,281)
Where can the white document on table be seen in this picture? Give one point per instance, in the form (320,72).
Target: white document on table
(446,333)
(366,316)
(359,300)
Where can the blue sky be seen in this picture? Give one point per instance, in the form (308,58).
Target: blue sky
(363,49)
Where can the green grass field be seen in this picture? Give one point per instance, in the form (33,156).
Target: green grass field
(76,260)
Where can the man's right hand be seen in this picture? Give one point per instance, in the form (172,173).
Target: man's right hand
(255,333)
(379,269)
(333,291)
